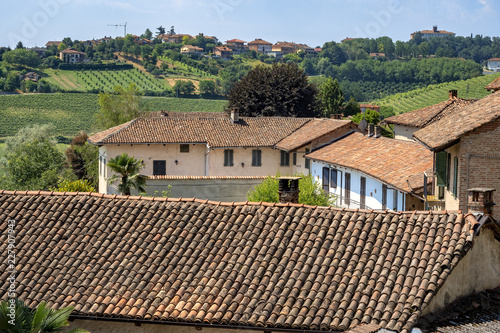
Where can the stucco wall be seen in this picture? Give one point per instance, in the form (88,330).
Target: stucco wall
(404,132)
(478,270)
(98,326)
(211,188)
(373,188)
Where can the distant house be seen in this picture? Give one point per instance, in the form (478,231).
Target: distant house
(173,38)
(365,106)
(215,145)
(406,124)
(53,43)
(31,76)
(39,50)
(260,46)
(191,49)
(72,56)
(223,52)
(237,45)
(306,49)
(426,34)
(493,64)
(149,265)
(466,144)
(369,171)
(377,55)
(281,49)
(212,39)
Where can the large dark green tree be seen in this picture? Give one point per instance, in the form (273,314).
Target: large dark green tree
(279,90)
(330,97)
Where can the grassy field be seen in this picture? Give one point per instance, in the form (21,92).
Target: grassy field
(433,94)
(71,113)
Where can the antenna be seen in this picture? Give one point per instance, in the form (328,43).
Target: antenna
(121,25)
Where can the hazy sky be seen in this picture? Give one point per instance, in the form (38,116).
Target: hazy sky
(312,22)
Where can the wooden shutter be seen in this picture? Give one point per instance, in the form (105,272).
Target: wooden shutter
(326,179)
(441,159)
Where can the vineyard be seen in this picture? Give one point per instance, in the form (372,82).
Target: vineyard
(106,80)
(182,68)
(71,113)
(436,93)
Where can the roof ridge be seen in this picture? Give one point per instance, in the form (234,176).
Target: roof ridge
(130,122)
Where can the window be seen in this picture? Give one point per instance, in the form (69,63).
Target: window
(395,200)
(228,157)
(256,157)
(333,178)
(184,148)
(347,196)
(308,162)
(384,196)
(294,158)
(100,165)
(285,158)
(448,173)
(455,177)
(326,179)
(441,167)
(362,192)
(159,168)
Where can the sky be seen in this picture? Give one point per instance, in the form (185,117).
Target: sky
(312,22)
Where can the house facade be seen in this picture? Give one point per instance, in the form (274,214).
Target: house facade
(260,46)
(426,34)
(223,52)
(215,146)
(493,64)
(466,144)
(191,49)
(72,56)
(369,171)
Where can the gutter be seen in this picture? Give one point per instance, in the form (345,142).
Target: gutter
(198,326)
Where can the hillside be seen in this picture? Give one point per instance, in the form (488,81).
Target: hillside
(73,112)
(436,93)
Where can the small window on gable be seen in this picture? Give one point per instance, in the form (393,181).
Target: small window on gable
(185,148)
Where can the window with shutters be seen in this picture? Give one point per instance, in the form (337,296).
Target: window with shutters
(347,196)
(326,179)
(333,178)
(362,192)
(256,157)
(441,167)
(228,157)
(159,168)
(395,200)
(294,159)
(285,158)
(455,177)
(384,196)
(308,162)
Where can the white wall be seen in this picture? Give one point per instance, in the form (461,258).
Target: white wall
(373,198)
(404,132)
(494,65)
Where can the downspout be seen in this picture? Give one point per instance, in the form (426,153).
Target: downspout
(207,160)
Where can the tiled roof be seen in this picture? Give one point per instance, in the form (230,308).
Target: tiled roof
(493,59)
(217,132)
(429,114)
(259,42)
(495,85)
(459,122)
(248,264)
(393,162)
(235,41)
(310,131)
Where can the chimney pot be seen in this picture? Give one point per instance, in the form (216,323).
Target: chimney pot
(480,200)
(371,130)
(435,28)
(453,93)
(235,115)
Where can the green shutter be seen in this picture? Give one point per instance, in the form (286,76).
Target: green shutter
(455,177)
(441,159)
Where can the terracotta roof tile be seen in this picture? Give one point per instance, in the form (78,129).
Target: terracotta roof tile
(216,132)
(495,85)
(193,261)
(459,122)
(310,131)
(391,161)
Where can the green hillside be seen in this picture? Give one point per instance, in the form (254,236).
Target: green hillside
(73,112)
(433,94)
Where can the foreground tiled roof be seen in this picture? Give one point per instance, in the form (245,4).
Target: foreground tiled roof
(393,162)
(248,264)
(425,116)
(461,121)
(495,85)
(217,132)
(311,131)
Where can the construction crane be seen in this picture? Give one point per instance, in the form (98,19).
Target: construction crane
(121,25)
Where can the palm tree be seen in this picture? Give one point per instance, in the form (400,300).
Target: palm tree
(22,319)
(127,169)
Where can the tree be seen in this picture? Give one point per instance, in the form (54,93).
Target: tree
(334,53)
(11,82)
(80,185)
(62,47)
(232,74)
(207,88)
(280,90)
(184,87)
(160,31)
(371,117)
(67,41)
(121,106)
(19,45)
(310,192)
(39,320)
(331,98)
(351,108)
(22,57)
(127,168)
(147,34)
(172,30)
(82,157)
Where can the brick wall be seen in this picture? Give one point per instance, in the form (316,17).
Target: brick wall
(479,163)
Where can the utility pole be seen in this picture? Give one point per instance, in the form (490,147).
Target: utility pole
(121,25)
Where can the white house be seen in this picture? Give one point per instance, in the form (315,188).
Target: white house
(493,64)
(373,172)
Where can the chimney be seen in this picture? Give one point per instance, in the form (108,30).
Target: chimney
(480,200)
(337,116)
(288,189)
(235,115)
(371,130)
(453,93)
(377,131)
(435,28)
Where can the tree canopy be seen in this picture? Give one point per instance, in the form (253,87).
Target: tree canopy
(279,90)
(330,97)
(120,107)
(127,169)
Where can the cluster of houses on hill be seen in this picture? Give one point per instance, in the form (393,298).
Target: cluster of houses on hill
(155,264)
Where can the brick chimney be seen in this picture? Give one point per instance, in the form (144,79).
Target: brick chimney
(453,93)
(235,115)
(288,189)
(480,200)
(371,130)
(435,28)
